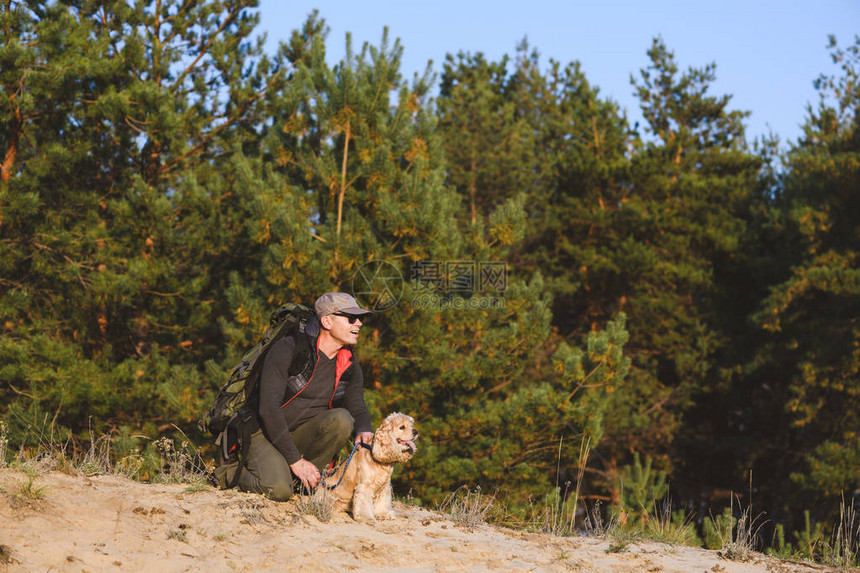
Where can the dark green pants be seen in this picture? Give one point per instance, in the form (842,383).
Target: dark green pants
(267,472)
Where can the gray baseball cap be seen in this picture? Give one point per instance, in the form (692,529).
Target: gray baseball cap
(339,302)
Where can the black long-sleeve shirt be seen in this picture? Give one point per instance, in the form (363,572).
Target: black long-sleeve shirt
(278,419)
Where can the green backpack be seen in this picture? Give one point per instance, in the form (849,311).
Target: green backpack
(233,415)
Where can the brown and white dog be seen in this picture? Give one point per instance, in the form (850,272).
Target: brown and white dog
(366,484)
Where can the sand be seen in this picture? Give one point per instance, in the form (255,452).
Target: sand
(110,523)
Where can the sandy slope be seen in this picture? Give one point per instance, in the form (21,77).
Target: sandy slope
(108,523)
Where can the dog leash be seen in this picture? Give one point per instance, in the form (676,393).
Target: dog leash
(345,465)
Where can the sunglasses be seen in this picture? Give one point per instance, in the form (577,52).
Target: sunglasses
(349,317)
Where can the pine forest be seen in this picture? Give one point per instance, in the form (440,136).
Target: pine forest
(573,308)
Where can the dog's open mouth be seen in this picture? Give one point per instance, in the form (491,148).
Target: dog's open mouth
(410,445)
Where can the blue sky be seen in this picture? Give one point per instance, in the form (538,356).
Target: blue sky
(767,52)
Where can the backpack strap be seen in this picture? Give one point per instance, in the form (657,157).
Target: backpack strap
(301,369)
(303,355)
(243,424)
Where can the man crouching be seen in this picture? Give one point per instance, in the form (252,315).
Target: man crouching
(311,399)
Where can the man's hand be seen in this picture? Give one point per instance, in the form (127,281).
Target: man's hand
(364,438)
(307,472)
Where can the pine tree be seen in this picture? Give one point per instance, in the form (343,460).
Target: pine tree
(489,134)
(804,375)
(111,211)
(651,228)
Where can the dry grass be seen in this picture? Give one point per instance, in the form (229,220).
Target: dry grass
(555,515)
(4,444)
(319,504)
(468,508)
(180,534)
(622,529)
(739,543)
(673,527)
(844,549)
(162,461)
(97,458)
(558,513)
(252,511)
(181,464)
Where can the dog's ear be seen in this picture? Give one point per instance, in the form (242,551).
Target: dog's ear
(384,435)
(384,438)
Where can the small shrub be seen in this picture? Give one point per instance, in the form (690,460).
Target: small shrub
(130,465)
(181,464)
(779,547)
(468,508)
(718,530)
(594,523)
(409,499)
(28,494)
(556,514)
(32,492)
(252,511)
(842,549)
(615,528)
(621,536)
(642,487)
(740,546)
(667,526)
(97,459)
(319,505)
(811,540)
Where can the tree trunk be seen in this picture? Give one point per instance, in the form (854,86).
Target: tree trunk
(342,191)
(12,150)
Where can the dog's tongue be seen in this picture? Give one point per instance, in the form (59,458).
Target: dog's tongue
(411,445)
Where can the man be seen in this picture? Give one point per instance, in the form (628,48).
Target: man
(310,402)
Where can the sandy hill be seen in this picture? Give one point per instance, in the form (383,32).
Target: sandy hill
(109,523)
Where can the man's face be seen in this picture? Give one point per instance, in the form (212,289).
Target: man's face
(344,328)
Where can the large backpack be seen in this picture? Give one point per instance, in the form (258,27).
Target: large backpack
(233,415)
